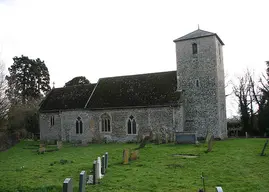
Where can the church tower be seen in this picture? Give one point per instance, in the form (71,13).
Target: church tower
(200,78)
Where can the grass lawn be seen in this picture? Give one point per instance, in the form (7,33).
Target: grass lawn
(233,164)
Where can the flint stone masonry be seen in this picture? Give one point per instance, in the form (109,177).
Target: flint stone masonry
(194,102)
(147,119)
(204,105)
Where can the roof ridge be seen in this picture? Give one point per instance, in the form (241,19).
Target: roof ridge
(138,74)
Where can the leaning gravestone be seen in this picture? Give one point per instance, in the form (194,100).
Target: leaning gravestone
(208,136)
(125,156)
(59,144)
(210,144)
(219,189)
(82,181)
(264,147)
(67,185)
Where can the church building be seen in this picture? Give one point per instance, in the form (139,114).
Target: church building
(124,108)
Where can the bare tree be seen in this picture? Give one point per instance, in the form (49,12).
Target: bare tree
(3,98)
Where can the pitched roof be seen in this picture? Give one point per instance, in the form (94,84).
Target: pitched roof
(73,97)
(153,89)
(144,90)
(198,34)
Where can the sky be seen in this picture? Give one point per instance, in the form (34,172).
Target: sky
(105,38)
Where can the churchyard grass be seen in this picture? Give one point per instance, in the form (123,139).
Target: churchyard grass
(234,164)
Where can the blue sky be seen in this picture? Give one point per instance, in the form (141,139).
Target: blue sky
(111,38)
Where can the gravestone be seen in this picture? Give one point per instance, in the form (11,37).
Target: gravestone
(246,135)
(103,168)
(210,144)
(264,147)
(208,136)
(98,164)
(125,156)
(67,185)
(106,160)
(82,181)
(186,138)
(219,189)
(42,148)
(94,174)
(59,144)
(134,155)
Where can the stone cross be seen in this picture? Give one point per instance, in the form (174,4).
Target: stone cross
(106,160)
(103,168)
(67,185)
(98,164)
(82,181)
(219,189)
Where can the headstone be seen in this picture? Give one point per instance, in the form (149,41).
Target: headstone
(208,136)
(264,147)
(134,155)
(219,189)
(246,135)
(90,180)
(103,168)
(186,137)
(94,174)
(59,144)
(42,148)
(67,185)
(82,181)
(98,164)
(125,156)
(210,144)
(106,160)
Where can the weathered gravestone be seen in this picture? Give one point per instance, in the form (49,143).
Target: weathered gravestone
(208,136)
(106,160)
(59,144)
(264,147)
(219,189)
(246,135)
(210,144)
(125,156)
(103,167)
(186,138)
(67,185)
(82,181)
(94,174)
(42,148)
(134,155)
(98,164)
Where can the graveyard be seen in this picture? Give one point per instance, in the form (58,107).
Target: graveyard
(234,164)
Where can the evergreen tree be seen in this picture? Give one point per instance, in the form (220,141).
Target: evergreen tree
(80,80)
(28,79)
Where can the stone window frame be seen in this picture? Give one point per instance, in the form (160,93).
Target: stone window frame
(52,122)
(130,126)
(197,83)
(79,125)
(194,48)
(105,123)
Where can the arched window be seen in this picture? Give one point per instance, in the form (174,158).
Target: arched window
(51,120)
(105,127)
(79,126)
(131,126)
(197,82)
(194,48)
